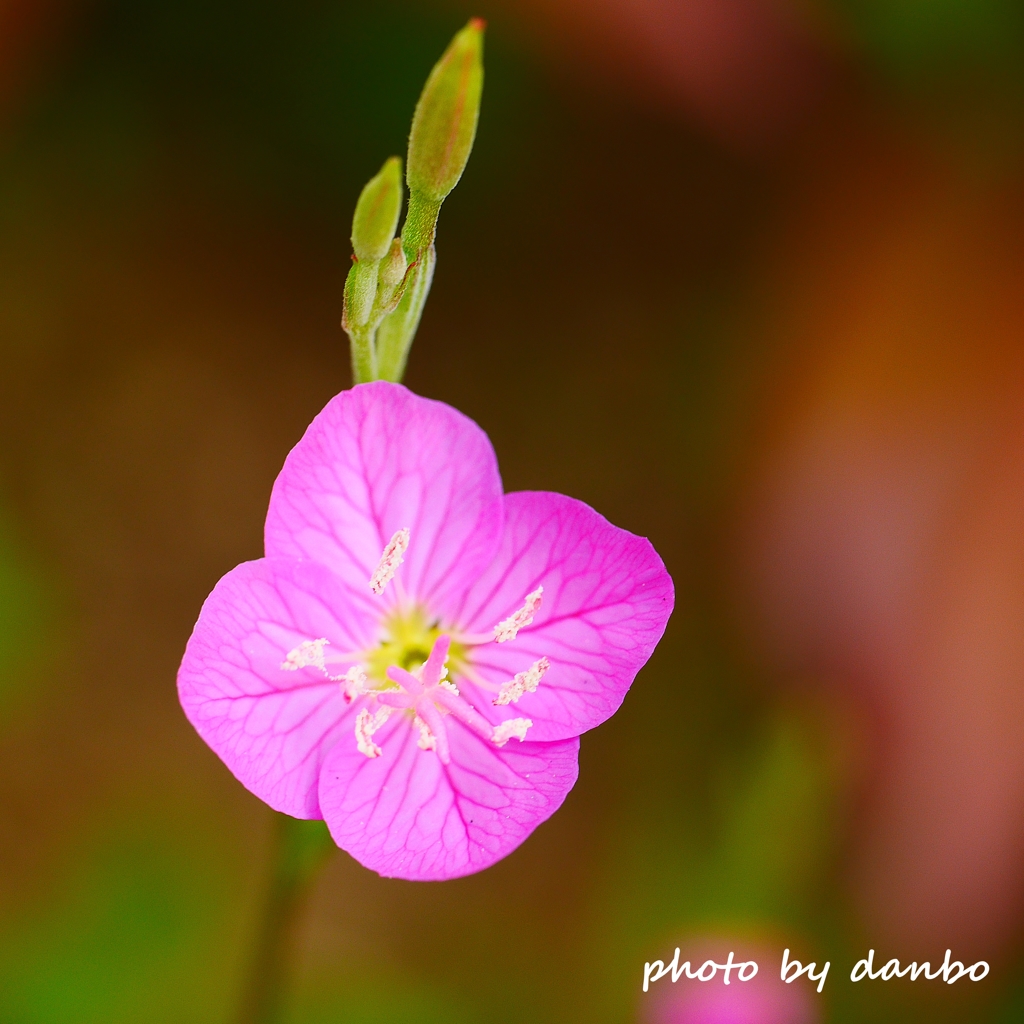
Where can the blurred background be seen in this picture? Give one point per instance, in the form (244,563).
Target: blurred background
(745,275)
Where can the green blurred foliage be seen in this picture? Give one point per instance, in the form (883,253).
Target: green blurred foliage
(135,932)
(28,646)
(755,868)
(957,66)
(930,38)
(380,998)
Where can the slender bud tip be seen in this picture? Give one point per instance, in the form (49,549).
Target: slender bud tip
(444,125)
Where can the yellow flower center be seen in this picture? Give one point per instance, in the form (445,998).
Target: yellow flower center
(408,638)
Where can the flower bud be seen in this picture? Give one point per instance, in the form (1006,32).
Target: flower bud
(393,267)
(360,291)
(376,216)
(444,125)
(390,276)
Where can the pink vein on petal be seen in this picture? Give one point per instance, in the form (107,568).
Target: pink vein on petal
(607,599)
(271,727)
(377,459)
(406,815)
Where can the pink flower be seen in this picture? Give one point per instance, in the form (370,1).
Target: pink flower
(417,654)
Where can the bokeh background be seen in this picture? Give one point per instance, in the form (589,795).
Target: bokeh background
(745,275)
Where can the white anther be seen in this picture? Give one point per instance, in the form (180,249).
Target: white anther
(511,727)
(366,726)
(450,686)
(524,682)
(390,560)
(426,740)
(508,628)
(353,683)
(309,652)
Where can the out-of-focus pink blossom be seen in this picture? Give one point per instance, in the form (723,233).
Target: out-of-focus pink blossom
(746,68)
(765,999)
(886,541)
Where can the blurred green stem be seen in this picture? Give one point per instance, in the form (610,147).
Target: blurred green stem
(300,847)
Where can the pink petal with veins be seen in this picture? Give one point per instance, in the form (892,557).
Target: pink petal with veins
(406,815)
(378,459)
(607,599)
(271,726)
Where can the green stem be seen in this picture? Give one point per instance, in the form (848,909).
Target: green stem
(420,225)
(300,847)
(395,334)
(364,356)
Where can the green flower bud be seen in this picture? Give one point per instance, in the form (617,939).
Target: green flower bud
(360,291)
(444,125)
(390,276)
(390,280)
(393,267)
(376,216)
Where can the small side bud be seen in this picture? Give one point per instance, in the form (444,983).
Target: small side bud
(376,216)
(393,267)
(390,281)
(444,125)
(360,292)
(389,277)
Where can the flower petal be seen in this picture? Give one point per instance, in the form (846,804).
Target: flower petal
(406,815)
(607,598)
(376,460)
(272,726)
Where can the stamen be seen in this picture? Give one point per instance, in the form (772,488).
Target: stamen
(366,726)
(524,682)
(390,560)
(309,652)
(511,727)
(428,712)
(353,683)
(508,628)
(426,740)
